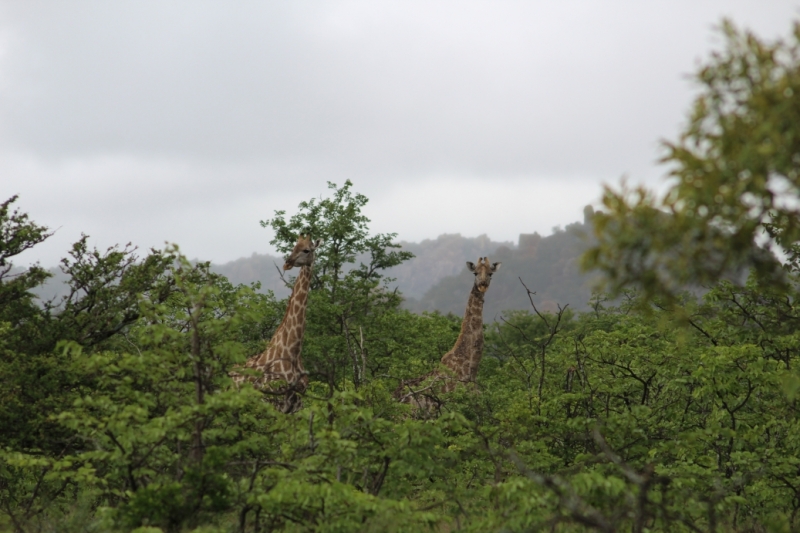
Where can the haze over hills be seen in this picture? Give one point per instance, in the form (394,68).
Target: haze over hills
(549,266)
(435,259)
(437,279)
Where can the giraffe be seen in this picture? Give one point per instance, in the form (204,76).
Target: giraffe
(281,360)
(460,364)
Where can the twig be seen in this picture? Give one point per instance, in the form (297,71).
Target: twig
(363,354)
(280,274)
(415,392)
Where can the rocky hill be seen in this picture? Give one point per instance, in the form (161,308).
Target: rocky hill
(437,278)
(435,260)
(549,266)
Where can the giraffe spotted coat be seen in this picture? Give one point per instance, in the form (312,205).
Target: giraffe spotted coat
(278,370)
(460,364)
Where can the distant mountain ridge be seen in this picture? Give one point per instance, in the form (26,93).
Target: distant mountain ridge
(549,267)
(435,259)
(436,279)
(263,268)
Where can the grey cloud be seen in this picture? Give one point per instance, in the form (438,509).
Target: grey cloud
(190,121)
(487,88)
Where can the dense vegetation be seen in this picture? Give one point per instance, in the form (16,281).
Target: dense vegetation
(662,412)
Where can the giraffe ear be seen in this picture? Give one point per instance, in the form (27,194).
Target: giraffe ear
(496,266)
(316,244)
(471,266)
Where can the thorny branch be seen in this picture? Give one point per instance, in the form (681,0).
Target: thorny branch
(552,332)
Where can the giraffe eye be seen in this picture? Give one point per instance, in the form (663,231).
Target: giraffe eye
(306,251)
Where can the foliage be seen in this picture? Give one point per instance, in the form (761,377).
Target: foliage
(105,291)
(736,179)
(347,300)
(159,438)
(610,420)
(18,234)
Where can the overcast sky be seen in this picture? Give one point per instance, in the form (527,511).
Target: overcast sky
(189,122)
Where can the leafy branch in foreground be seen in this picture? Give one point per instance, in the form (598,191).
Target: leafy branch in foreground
(736,171)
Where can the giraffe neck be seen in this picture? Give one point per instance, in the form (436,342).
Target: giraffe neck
(466,354)
(294,321)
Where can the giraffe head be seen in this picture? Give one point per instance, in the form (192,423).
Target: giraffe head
(303,252)
(483,272)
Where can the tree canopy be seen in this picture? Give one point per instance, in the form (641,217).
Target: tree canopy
(735,180)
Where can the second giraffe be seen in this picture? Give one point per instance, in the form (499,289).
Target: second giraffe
(460,364)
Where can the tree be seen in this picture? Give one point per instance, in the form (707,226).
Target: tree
(122,415)
(17,234)
(161,439)
(736,171)
(106,289)
(349,292)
